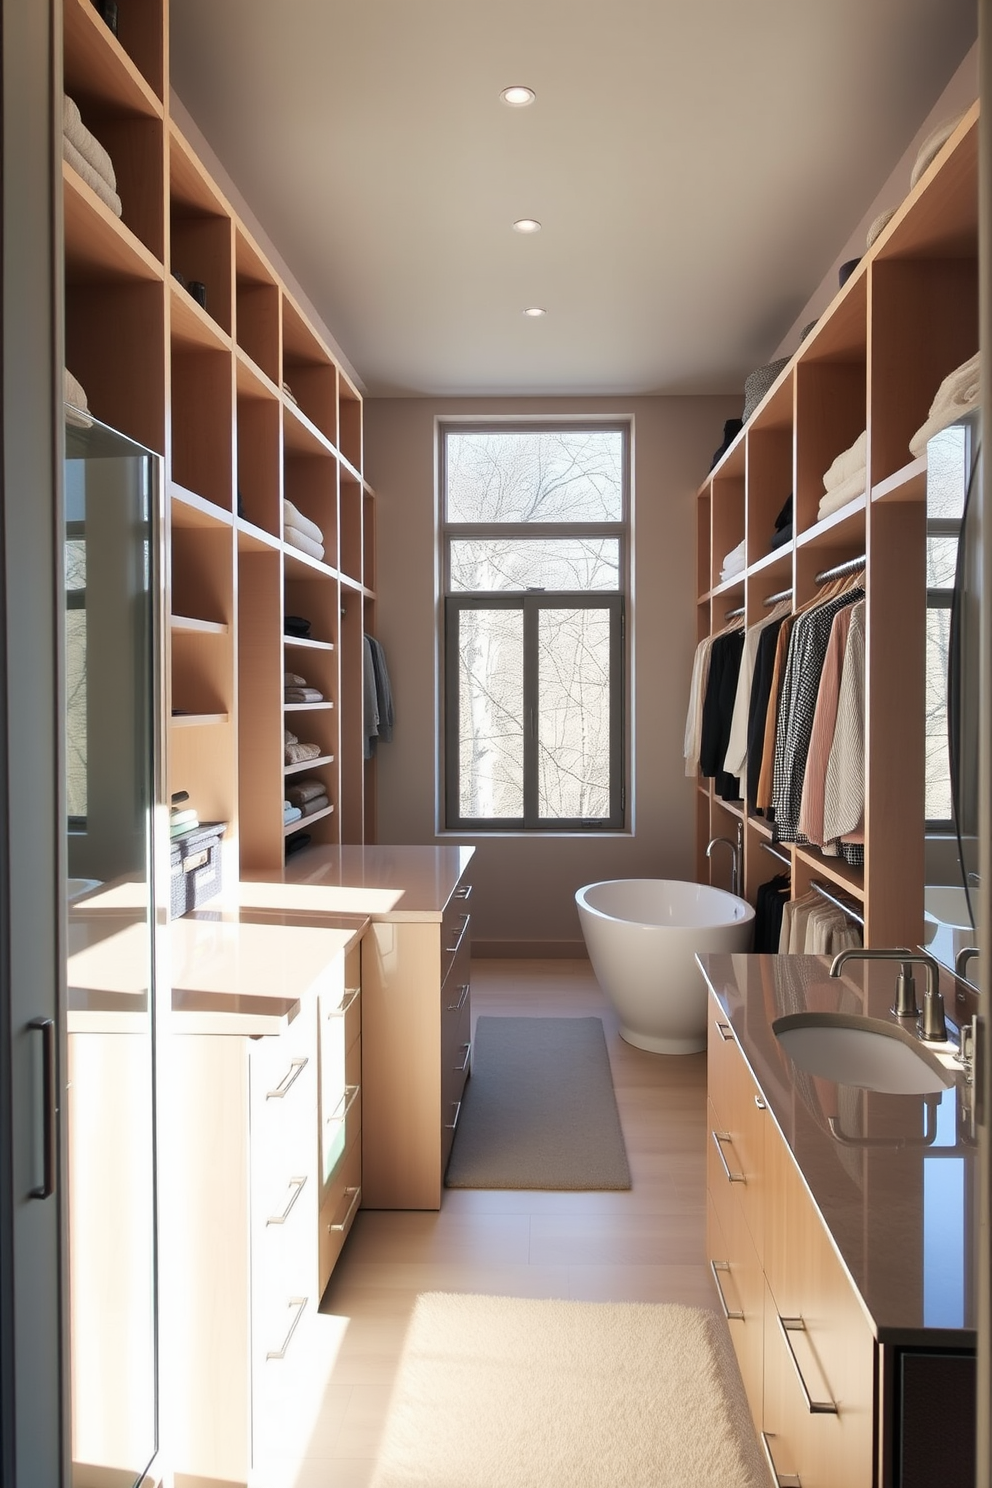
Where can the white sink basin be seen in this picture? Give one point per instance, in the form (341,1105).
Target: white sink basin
(866,1052)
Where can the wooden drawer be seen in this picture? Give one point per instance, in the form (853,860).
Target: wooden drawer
(455,927)
(337,1213)
(738,1119)
(740,1287)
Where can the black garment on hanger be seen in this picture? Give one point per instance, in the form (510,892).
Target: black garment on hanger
(769,902)
(718,710)
(761,687)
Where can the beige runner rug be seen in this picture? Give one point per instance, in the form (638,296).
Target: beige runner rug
(497,1392)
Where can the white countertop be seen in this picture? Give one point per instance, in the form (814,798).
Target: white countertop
(384,883)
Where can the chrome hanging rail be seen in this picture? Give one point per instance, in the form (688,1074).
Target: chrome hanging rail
(735,614)
(775,598)
(831,897)
(775,853)
(851,566)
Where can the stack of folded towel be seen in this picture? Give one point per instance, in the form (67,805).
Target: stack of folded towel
(309,796)
(846,478)
(182,818)
(88,158)
(301,532)
(288,393)
(957,395)
(298,689)
(734,563)
(290,813)
(76,403)
(297,753)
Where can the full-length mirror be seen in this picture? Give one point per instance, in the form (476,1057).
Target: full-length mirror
(952,681)
(111,488)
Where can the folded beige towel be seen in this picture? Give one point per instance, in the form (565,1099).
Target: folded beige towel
(847,463)
(293,679)
(303,695)
(297,754)
(840,495)
(304,544)
(290,738)
(92,177)
(302,791)
(288,391)
(958,393)
(76,404)
(86,143)
(932,146)
(294,518)
(879,225)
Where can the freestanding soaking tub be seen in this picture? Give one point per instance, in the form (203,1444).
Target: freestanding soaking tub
(642,935)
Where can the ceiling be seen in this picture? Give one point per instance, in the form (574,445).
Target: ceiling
(696,165)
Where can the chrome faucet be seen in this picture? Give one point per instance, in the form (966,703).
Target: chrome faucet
(964,955)
(735,856)
(932,1027)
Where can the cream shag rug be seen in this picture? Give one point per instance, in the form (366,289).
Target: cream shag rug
(497,1392)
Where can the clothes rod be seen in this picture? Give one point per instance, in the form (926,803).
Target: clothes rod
(851,566)
(735,614)
(773,599)
(775,853)
(846,909)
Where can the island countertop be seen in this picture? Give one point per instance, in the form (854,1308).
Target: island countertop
(894,1177)
(385,883)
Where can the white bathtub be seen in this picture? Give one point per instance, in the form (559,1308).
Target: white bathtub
(642,935)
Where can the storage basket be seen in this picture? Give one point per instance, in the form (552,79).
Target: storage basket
(195,860)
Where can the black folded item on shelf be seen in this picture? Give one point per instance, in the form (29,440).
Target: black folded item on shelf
(296,842)
(731,429)
(784,518)
(296,625)
(782,536)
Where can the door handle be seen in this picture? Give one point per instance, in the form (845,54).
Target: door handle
(46,1188)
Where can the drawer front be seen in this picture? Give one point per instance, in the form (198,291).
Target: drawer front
(455,927)
(740,1286)
(340,1103)
(283,1090)
(737,1122)
(337,1213)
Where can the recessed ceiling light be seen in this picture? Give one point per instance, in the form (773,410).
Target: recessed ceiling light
(517,96)
(535,311)
(527,225)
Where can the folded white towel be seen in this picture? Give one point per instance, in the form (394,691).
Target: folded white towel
(294,518)
(76,404)
(958,394)
(92,177)
(86,142)
(840,495)
(305,544)
(735,561)
(847,462)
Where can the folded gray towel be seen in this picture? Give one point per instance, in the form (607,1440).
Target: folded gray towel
(303,791)
(86,142)
(298,754)
(92,177)
(319,803)
(293,679)
(304,695)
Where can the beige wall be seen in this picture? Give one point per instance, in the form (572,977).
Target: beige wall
(525,885)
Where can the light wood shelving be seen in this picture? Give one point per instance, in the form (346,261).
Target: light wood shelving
(249,406)
(905,319)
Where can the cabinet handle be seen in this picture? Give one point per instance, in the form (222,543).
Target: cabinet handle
(784,1480)
(725,1031)
(299,1303)
(356,1194)
(815,1407)
(450,1125)
(297,1185)
(46,1187)
(461,1068)
(451,950)
(464,892)
(719,1138)
(347,1101)
(456,1007)
(729,1314)
(288,1080)
(350,994)
(760,1103)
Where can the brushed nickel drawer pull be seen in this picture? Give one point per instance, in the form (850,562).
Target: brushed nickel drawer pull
(461,1068)
(300,1304)
(350,995)
(297,1185)
(815,1407)
(731,1316)
(288,1080)
(347,1101)
(719,1138)
(464,892)
(725,1031)
(452,949)
(356,1196)
(760,1103)
(450,1125)
(456,1007)
(784,1480)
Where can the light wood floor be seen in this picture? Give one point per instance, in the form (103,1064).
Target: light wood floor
(646,1244)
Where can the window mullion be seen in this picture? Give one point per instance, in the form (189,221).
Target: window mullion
(531,609)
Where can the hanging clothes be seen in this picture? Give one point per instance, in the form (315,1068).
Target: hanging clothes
(694,715)
(758,705)
(769,906)
(735,761)
(718,709)
(844,788)
(378,696)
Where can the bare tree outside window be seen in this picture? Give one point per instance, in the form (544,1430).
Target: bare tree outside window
(947,478)
(534,524)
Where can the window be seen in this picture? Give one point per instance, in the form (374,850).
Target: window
(535,554)
(947,481)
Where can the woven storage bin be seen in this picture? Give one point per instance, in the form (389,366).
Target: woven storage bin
(195,861)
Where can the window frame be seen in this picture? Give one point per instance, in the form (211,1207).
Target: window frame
(530,603)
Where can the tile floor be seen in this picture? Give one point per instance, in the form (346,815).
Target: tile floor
(646,1244)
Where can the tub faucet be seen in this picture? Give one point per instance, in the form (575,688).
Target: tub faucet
(735,858)
(932,1027)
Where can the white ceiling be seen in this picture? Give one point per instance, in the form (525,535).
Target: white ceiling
(696,165)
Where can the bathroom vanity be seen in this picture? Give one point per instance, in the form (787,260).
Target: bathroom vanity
(840,1231)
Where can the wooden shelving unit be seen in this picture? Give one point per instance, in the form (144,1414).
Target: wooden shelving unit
(249,407)
(905,319)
